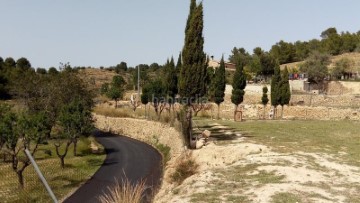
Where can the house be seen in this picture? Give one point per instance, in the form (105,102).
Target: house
(215,64)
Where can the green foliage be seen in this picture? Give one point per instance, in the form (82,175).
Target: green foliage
(316,67)
(239,84)
(7,127)
(219,83)
(121,67)
(144,77)
(104,88)
(332,43)
(41,71)
(75,119)
(23,63)
(210,77)
(53,71)
(240,54)
(194,68)
(264,98)
(342,68)
(285,93)
(116,89)
(170,80)
(275,87)
(9,63)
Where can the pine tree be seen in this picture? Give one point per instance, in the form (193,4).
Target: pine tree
(239,84)
(219,84)
(193,69)
(285,93)
(275,88)
(264,98)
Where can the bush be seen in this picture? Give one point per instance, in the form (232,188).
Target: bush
(184,169)
(165,151)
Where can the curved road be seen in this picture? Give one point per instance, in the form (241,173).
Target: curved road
(136,159)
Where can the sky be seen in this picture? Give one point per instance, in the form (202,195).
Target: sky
(104,33)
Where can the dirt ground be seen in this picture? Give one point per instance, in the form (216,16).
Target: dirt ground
(242,171)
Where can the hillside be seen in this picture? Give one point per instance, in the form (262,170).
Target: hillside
(354,57)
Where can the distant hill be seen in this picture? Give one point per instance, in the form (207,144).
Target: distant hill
(354,57)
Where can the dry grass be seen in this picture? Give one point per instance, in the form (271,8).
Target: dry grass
(185,168)
(62,181)
(124,192)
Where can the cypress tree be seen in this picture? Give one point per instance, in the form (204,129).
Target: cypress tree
(275,88)
(171,81)
(178,65)
(193,69)
(264,98)
(219,84)
(285,93)
(239,84)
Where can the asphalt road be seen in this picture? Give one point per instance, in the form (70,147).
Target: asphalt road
(125,157)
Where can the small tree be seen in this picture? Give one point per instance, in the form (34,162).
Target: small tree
(264,99)
(116,89)
(157,93)
(145,97)
(316,67)
(75,120)
(239,84)
(275,88)
(285,93)
(219,85)
(20,132)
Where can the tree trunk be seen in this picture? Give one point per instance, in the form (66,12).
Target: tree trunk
(145,111)
(75,146)
(62,156)
(264,112)
(115,103)
(235,111)
(241,119)
(190,128)
(62,161)
(218,113)
(20,179)
(282,112)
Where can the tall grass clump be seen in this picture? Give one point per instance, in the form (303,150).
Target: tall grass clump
(185,168)
(124,192)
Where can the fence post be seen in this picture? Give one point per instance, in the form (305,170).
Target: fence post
(42,178)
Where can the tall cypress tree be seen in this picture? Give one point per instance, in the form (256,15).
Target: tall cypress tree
(219,84)
(285,93)
(239,84)
(171,81)
(193,70)
(275,88)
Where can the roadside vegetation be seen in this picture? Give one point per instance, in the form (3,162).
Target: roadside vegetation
(124,191)
(49,114)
